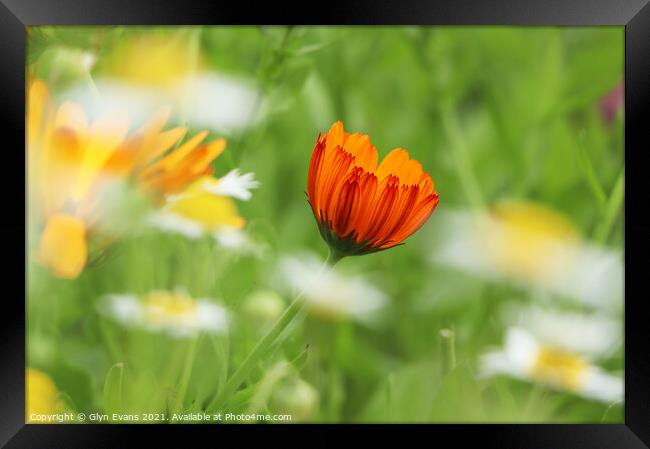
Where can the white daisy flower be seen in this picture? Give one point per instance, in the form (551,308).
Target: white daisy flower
(222,103)
(532,246)
(233,239)
(171,222)
(171,312)
(330,294)
(593,335)
(234,184)
(524,357)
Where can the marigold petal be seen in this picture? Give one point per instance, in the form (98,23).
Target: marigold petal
(384,206)
(105,136)
(63,245)
(333,179)
(408,197)
(72,116)
(420,215)
(367,190)
(177,155)
(348,203)
(365,154)
(315,165)
(335,136)
(392,163)
(163,142)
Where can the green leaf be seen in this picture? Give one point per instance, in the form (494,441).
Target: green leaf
(459,398)
(406,396)
(301,360)
(113,389)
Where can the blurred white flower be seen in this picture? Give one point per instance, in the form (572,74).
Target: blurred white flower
(233,239)
(330,294)
(593,335)
(171,222)
(205,100)
(523,357)
(234,184)
(220,102)
(533,246)
(171,312)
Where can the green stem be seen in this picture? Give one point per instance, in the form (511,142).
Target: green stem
(187,371)
(262,347)
(448,350)
(614,203)
(259,351)
(333,258)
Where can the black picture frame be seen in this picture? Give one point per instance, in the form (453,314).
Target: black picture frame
(15,15)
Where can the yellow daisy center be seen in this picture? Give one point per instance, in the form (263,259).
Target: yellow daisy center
(559,368)
(529,241)
(163,307)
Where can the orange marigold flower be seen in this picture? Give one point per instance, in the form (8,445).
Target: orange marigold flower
(362,207)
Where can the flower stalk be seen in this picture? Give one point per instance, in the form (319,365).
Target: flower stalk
(447,344)
(263,346)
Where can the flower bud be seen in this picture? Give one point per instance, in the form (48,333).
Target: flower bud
(295,397)
(264,307)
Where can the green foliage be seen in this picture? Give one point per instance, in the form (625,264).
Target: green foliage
(113,389)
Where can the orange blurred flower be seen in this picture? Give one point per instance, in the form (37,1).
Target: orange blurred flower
(362,207)
(72,161)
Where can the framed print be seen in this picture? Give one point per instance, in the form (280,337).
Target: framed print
(424,214)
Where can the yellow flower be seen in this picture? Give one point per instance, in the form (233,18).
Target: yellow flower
(152,59)
(212,211)
(42,396)
(72,161)
(197,211)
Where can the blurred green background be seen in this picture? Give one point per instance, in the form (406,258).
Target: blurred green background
(492,113)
